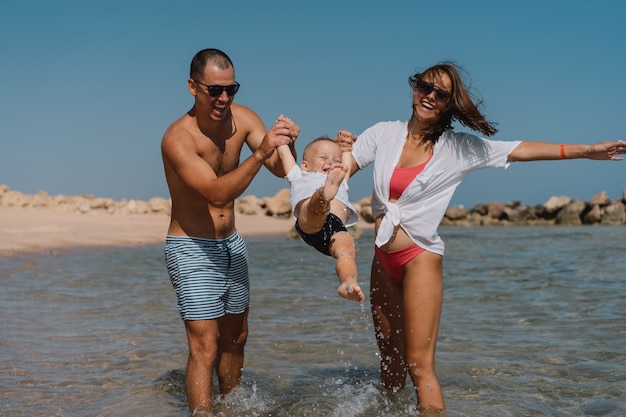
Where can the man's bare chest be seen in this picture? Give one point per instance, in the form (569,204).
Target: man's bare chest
(223,157)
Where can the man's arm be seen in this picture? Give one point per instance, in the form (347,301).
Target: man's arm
(275,163)
(181,157)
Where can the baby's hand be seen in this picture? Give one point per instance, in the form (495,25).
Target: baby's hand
(346,134)
(351,290)
(294,130)
(345,139)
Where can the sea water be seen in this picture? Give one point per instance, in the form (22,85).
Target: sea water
(533,324)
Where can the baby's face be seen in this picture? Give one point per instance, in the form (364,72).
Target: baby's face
(321,157)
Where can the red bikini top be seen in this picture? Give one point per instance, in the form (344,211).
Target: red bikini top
(402,177)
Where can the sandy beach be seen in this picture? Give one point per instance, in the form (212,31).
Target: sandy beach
(41,230)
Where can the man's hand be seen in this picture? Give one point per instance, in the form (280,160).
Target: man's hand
(280,134)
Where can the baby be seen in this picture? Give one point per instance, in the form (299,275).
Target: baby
(319,202)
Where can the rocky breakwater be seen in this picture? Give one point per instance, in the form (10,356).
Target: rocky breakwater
(83,203)
(600,210)
(556,211)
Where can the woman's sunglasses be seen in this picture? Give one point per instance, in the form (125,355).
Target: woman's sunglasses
(217,90)
(426,88)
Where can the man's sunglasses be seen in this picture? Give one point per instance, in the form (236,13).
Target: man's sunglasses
(217,90)
(426,88)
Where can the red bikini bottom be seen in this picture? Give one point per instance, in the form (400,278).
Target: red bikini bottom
(394,262)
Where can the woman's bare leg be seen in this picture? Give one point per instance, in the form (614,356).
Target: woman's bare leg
(387,307)
(423,296)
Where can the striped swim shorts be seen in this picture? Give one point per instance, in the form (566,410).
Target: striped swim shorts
(210,276)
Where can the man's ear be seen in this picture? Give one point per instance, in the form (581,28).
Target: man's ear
(191,86)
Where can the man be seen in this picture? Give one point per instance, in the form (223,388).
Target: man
(206,258)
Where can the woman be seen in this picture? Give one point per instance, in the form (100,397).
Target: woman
(418,164)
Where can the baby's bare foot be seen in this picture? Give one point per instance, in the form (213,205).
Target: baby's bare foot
(351,290)
(336,174)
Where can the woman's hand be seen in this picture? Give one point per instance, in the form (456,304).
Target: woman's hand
(607,151)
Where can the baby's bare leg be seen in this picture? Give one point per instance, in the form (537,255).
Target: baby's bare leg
(313,212)
(342,248)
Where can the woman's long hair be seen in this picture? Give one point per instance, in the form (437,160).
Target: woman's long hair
(461,107)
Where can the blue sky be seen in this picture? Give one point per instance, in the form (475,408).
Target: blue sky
(87,88)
